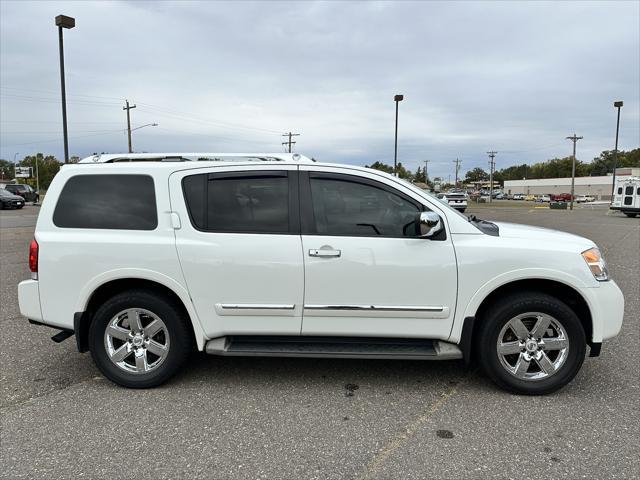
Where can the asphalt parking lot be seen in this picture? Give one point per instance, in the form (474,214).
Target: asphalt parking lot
(326,419)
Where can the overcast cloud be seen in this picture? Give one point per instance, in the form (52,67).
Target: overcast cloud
(515,77)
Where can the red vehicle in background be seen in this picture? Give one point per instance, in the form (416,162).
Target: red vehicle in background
(561,197)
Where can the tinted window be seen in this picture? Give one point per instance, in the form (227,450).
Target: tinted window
(638,191)
(121,202)
(195,188)
(251,203)
(619,190)
(628,191)
(343,207)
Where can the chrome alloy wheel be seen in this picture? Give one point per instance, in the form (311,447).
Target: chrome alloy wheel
(533,346)
(136,340)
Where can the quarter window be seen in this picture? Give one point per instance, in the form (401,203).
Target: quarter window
(249,203)
(114,202)
(346,207)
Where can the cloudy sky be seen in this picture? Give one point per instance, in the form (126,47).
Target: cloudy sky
(516,77)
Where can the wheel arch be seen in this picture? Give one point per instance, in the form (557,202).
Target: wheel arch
(566,293)
(100,291)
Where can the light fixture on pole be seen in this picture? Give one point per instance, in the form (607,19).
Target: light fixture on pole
(138,128)
(397,99)
(62,21)
(617,105)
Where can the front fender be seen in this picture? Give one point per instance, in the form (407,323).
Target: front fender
(469,302)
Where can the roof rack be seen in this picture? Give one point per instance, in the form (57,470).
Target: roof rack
(194,157)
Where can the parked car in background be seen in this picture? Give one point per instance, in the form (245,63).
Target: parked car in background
(455,199)
(518,196)
(584,198)
(9,200)
(25,191)
(530,198)
(543,198)
(145,260)
(561,197)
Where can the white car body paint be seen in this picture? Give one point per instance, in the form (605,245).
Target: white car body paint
(266,284)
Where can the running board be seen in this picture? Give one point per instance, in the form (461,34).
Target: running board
(333,347)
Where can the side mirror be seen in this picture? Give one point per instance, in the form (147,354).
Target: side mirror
(428,224)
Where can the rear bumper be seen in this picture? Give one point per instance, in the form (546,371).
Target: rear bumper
(29,300)
(607,310)
(625,209)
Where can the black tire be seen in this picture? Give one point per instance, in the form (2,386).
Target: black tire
(630,214)
(496,318)
(178,330)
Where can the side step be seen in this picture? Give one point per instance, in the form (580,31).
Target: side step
(333,347)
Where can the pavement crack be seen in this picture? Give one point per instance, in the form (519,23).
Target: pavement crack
(410,431)
(19,403)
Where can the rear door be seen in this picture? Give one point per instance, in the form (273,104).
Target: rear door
(239,247)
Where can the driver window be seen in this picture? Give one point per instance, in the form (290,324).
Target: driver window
(344,207)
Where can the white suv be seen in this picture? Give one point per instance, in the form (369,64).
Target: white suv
(143,257)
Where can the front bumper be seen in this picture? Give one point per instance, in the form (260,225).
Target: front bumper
(606,304)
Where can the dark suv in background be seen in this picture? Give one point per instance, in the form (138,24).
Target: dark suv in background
(25,191)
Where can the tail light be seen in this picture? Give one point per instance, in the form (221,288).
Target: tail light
(33,258)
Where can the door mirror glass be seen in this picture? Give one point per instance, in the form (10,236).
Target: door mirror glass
(429,224)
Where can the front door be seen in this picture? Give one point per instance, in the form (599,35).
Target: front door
(366,272)
(240,249)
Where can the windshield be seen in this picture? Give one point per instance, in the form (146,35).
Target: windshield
(4,193)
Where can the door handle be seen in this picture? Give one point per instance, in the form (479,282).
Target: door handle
(324,252)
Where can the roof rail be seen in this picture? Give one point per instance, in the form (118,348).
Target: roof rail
(194,157)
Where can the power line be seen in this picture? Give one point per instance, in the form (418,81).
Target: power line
(492,166)
(290,142)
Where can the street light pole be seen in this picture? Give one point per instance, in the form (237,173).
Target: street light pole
(397,99)
(618,105)
(574,139)
(129,129)
(62,21)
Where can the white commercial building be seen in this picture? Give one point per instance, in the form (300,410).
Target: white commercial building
(599,187)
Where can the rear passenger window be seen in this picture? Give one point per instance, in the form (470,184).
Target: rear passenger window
(242,203)
(628,191)
(114,202)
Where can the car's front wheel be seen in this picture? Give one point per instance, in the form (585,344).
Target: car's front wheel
(531,343)
(139,339)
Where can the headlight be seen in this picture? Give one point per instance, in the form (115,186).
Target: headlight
(596,264)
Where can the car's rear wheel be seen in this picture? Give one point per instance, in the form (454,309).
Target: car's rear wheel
(630,214)
(531,343)
(139,339)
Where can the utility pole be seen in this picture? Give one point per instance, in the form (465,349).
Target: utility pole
(492,165)
(457,162)
(289,142)
(426,171)
(127,108)
(574,139)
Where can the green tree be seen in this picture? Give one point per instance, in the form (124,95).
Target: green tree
(603,164)
(6,170)
(476,175)
(402,172)
(48,166)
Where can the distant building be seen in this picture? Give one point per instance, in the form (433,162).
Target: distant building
(599,187)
